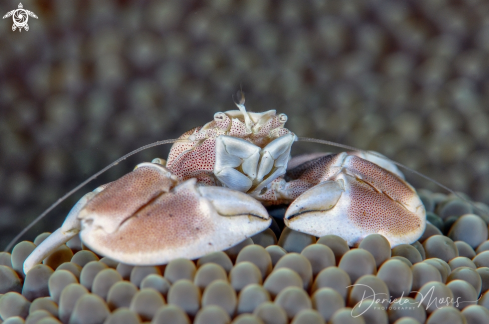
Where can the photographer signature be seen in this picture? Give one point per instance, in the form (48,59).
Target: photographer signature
(427,300)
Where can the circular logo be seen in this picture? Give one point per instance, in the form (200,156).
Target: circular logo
(20,18)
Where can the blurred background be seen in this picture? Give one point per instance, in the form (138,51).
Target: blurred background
(93,80)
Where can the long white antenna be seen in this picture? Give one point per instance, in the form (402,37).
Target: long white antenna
(38,218)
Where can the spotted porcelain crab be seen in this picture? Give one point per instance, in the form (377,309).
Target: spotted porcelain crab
(210,193)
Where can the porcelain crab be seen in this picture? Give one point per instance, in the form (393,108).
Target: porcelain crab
(210,193)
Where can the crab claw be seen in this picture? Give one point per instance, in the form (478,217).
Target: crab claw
(147,218)
(352,205)
(186,221)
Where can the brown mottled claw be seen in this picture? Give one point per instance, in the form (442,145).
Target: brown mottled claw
(186,221)
(359,199)
(110,208)
(147,217)
(143,184)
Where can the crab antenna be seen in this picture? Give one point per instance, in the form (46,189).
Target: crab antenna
(314,140)
(38,218)
(242,108)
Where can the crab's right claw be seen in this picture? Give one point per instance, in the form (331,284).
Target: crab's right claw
(185,220)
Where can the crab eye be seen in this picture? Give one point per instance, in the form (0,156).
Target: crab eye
(219,116)
(282,118)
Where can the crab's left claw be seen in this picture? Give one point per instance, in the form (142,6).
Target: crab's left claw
(359,200)
(186,221)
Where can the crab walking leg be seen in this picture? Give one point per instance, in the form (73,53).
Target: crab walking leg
(71,227)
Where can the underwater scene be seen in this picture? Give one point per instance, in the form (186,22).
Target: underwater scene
(245,211)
